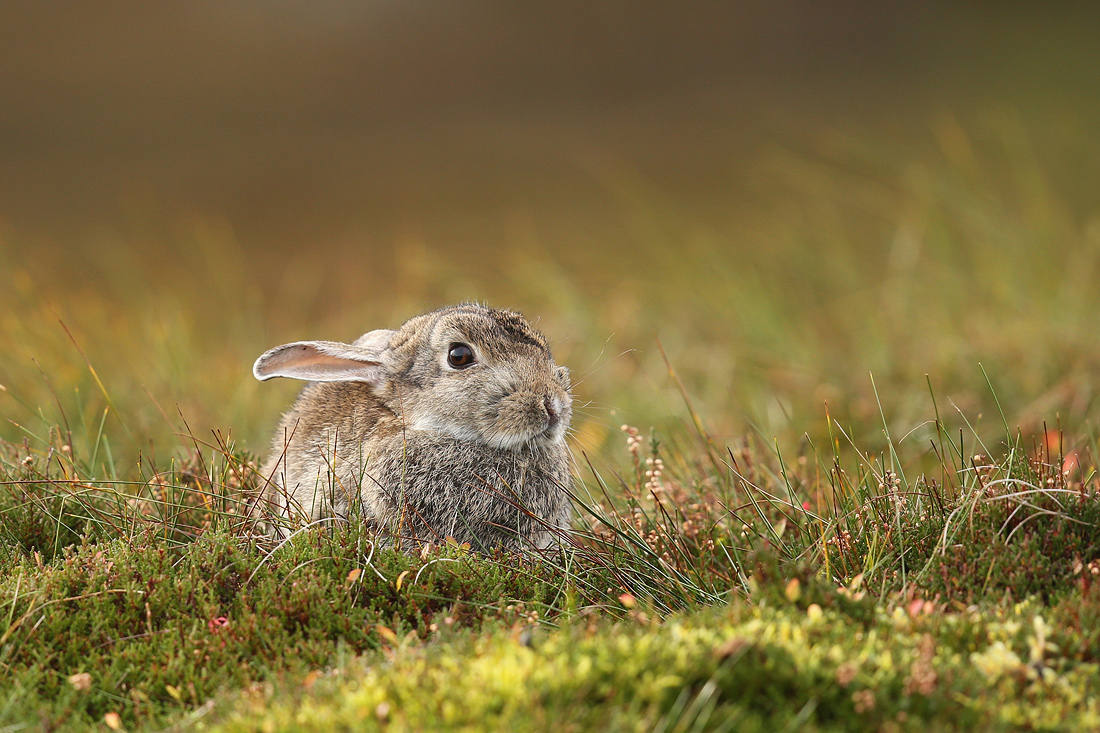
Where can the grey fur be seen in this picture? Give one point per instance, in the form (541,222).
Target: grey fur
(424,450)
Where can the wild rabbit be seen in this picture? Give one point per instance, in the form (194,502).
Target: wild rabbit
(451,426)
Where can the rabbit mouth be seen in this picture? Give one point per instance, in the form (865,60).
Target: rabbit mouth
(518,441)
(516,422)
(545,432)
(530,420)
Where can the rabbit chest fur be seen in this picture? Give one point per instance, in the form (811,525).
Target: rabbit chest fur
(451,426)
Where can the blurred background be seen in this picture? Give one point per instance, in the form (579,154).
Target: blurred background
(792,198)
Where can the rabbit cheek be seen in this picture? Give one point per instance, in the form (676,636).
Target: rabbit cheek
(446,410)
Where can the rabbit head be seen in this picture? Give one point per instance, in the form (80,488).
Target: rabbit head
(469,372)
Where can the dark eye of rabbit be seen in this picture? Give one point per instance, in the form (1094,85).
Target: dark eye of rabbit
(460,356)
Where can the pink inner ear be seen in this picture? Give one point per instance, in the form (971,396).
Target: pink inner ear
(302,361)
(325,363)
(317,366)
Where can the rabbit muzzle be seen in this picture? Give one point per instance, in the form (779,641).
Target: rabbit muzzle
(528,417)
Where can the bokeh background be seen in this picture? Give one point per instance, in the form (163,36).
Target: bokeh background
(888,208)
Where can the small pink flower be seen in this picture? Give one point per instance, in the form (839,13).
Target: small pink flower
(216,623)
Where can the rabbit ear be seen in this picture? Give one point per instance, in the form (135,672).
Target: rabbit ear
(375,341)
(321,361)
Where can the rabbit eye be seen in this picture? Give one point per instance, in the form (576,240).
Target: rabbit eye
(460,356)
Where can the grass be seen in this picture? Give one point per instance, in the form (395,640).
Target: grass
(791,545)
(711,601)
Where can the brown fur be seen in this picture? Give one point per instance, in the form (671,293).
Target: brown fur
(419,449)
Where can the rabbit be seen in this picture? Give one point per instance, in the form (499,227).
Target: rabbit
(451,426)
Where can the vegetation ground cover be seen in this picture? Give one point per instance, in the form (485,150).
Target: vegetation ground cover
(793,544)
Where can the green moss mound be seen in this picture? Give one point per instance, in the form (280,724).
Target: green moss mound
(741,668)
(159,629)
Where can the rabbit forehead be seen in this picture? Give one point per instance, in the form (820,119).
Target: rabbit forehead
(498,334)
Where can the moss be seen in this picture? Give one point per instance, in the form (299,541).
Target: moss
(161,629)
(1003,547)
(748,668)
(1076,618)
